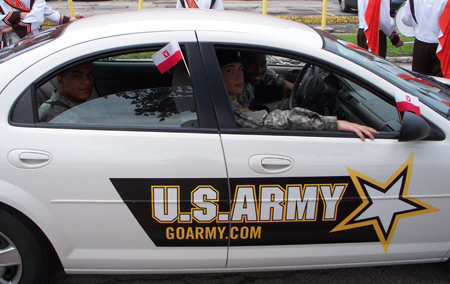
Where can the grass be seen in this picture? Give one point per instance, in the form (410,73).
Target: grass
(139,55)
(392,51)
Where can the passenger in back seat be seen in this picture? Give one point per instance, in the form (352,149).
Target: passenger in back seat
(74,87)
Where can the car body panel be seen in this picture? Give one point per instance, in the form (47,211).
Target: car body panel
(74,205)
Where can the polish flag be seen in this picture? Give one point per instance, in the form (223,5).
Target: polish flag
(443,51)
(407,102)
(168,56)
(372,32)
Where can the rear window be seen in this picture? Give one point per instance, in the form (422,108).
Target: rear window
(30,43)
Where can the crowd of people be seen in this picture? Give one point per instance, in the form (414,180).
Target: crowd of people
(22,18)
(430,20)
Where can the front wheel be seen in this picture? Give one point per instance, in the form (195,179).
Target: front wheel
(22,258)
(344,7)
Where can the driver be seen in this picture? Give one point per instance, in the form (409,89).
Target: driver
(297,118)
(256,74)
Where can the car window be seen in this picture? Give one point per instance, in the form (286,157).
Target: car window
(127,91)
(169,107)
(317,89)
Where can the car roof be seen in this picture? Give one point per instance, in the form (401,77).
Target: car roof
(184,19)
(266,28)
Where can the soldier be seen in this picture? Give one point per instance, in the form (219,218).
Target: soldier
(256,74)
(297,118)
(200,4)
(74,87)
(424,16)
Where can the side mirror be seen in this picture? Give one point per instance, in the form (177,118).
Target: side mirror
(413,128)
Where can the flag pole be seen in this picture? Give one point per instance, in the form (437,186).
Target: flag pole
(185,65)
(264,8)
(141,5)
(72,9)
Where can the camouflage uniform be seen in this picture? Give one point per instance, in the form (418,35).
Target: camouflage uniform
(53,107)
(297,118)
(270,78)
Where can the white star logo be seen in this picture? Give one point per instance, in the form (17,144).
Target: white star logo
(383,205)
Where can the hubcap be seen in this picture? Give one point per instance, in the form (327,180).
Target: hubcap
(10,262)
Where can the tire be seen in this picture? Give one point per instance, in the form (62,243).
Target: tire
(344,7)
(24,260)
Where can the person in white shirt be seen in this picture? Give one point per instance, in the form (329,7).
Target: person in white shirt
(200,4)
(423,16)
(386,27)
(57,18)
(20,19)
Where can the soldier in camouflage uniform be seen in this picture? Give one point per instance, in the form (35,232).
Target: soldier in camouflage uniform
(74,87)
(256,73)
(297,118)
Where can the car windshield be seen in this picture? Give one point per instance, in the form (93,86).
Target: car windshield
(429,91)
(30,43)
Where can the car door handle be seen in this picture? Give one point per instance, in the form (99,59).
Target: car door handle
(270,164)
(29,159)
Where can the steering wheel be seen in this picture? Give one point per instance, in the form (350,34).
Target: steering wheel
(307,87)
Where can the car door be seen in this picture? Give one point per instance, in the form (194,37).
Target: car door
(115,175)
(326,198)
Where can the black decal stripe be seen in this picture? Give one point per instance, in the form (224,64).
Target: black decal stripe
(136,193)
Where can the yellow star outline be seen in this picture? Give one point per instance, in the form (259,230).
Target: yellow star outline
(362,183)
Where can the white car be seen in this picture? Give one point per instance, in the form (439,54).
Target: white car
(152,174)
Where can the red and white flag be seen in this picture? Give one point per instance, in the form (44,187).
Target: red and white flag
(443,51)
(372,32)
(407,102)
(168,56)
